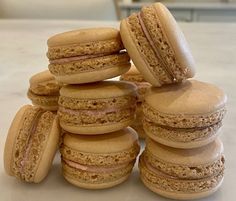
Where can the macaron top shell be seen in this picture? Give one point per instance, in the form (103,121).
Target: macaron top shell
(103,144)
(104,89)
(176,39)
(83,36)
(191,157)
(44,83)
(191,97)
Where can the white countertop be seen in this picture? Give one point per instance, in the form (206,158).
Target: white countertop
(185,5)
(22,53)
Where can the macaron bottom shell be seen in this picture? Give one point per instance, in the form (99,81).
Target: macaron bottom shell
(94,76)
(176,188)
(97,129)
(185,138)
(96,180)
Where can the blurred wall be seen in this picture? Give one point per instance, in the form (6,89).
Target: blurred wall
(59,9)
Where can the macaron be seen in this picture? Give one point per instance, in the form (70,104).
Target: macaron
(99,161)
(87,55)
(97,108)
(182,174)
(44,90)
(134,76)
(186,115)
(31,144)
(157,45)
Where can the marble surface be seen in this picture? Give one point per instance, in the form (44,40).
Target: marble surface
(22,53)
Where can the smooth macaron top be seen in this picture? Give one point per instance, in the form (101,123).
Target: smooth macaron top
(191,157)
(102,144)
(191,97)
(104,89)
(83,36)
(44,83)
(176,39)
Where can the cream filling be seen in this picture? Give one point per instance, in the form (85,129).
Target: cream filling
(76,58)
(95,169)
(146,33)
(30,141)
(93,112)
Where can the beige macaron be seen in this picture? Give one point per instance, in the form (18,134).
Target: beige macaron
(31,144)
(87,55)
(44,90)
(134,76)
(99,161)
(97,108)
(184,115)
(182,174)
(157,45)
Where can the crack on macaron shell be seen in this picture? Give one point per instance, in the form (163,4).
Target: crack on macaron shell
(50,88)
(174,184)
(93,177)
(34,141)
(145,50)
(98,103)
(91,48)
(183,135)
(91,64)
(85,158)
(88,118)
(159,42)
(184,171)
(183,120)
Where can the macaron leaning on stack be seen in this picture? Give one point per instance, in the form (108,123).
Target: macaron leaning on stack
(31,144)
(92,107)
(136,78)
(157,46)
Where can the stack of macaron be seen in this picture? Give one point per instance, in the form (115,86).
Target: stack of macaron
(134,76)
(98,149)
(179,117)
(183,157)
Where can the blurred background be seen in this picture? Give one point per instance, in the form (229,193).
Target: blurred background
(183,10)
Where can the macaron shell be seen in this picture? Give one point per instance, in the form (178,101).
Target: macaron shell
(110,143)
(94,76)
(92,129)
(182,138)
(83,36)
(191,157)
(104,89)
(10,141)
(49,152)
(178,195)
(44,83)
(46,102)
(135,54)
(191,97)
(95,186)
(176,39)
